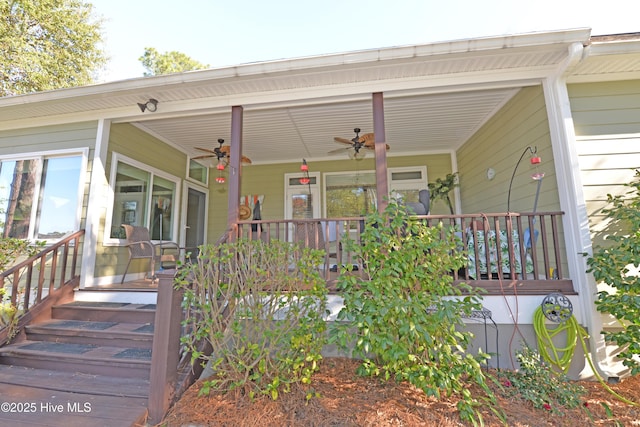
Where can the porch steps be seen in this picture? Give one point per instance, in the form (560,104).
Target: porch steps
(101,338)
(89,363)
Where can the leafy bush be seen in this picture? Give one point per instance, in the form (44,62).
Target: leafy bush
(12,249)
(261,307)
(617,265)
(405,309)
(540,385)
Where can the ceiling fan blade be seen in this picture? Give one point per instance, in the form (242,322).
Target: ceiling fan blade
(206,156)
(343,140)
(206,150)
(339,150)
(226,150)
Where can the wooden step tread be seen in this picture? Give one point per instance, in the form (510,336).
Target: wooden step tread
(68,327)
(63,409)
(100,305)
(88,353)
(74,382)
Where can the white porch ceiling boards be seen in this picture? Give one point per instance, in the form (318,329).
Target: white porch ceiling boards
(414,124)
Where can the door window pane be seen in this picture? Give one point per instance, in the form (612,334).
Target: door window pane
(130,198)
(162,207)
(58,205)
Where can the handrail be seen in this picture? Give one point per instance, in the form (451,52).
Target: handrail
(46,261)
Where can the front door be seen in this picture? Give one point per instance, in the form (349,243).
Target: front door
(195,220)
(302,199)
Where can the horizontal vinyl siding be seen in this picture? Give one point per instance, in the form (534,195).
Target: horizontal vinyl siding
(48,138)
(521,123)
(611,108)
(607,124)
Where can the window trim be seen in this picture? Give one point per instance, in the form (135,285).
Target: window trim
(48,154)
(411,184)
(193,180)
(115,159)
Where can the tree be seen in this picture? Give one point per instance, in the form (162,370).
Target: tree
(167,63)
(48,44)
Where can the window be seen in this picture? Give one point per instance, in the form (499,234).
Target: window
(142,197)
(406,183)
(40,196)
(350,194)
(198,172)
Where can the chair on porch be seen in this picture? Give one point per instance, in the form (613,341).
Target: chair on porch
(141,247)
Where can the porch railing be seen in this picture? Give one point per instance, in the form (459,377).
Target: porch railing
(29,282)
(527,248)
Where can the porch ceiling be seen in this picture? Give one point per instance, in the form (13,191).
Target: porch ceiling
(414,124)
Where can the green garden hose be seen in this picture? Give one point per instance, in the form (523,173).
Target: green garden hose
(550,352)
(559,357)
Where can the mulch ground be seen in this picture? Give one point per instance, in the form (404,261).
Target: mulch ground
(344,399)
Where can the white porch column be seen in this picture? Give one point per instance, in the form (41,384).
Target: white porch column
(572,202)
(96,203)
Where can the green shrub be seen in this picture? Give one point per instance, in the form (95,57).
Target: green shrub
(617,266)
(406,312)
(537,383)
(261,306)
(11,250)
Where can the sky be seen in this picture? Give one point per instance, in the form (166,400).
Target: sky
(231,32)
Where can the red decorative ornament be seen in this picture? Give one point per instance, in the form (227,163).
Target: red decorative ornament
(220,166)
(535,160)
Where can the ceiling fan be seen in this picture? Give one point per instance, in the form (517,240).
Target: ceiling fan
(356,144)
(220,153)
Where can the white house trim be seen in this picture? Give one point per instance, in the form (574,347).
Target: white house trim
(95,204)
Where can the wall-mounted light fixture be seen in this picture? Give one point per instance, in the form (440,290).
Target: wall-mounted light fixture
(151,105)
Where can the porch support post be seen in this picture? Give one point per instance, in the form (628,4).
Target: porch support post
(235,160)
(382,186)
(95,205)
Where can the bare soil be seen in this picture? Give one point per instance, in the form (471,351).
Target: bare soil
(345,399)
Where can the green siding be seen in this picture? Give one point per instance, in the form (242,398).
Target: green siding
(607,125)
(48,138)
(521,123)
(132,142)
(269,181)
(609,108)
